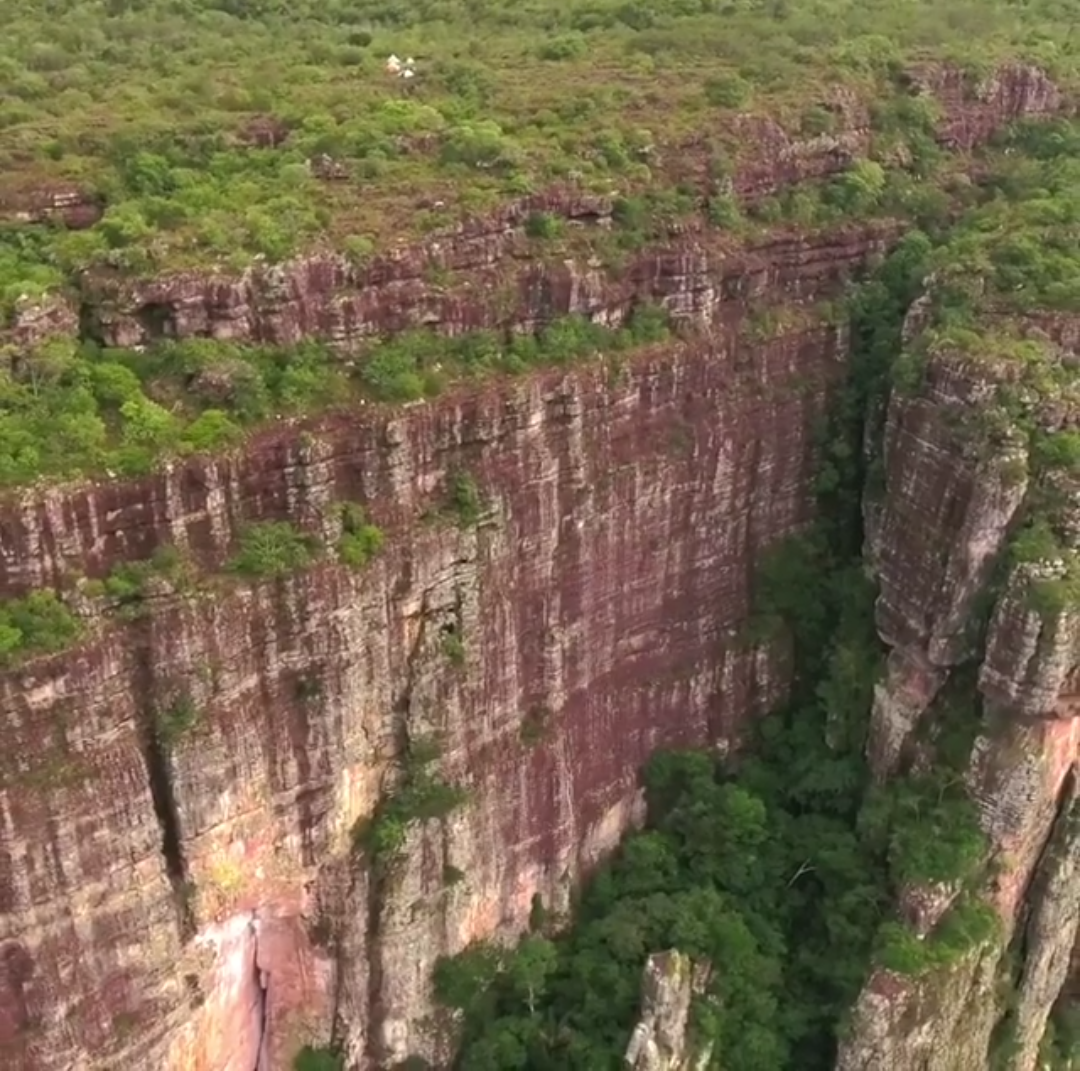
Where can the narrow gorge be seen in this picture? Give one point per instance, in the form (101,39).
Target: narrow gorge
(293,720)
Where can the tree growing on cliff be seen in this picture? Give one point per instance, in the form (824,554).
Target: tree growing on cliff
(37,624)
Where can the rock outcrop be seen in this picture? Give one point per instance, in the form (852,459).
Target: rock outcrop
(662,1039)
(940,533)
(223,869)
(1053,920)
(74,207)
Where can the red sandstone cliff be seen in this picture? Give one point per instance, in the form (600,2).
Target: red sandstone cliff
(190,909)
(607,586)
(938,539)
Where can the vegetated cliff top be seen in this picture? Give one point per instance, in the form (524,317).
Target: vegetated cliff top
(119,395)
(1004,285)
(213,131)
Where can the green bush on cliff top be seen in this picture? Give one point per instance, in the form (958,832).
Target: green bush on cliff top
(74,412)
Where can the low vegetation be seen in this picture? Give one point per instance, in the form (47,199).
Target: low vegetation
(312,1058)
(174,718)
(419,796)
(464,501)
(273,548)
(360,539)
(453,646)
(1001,275)
(200,152)
(83,410)
(1060,1049)
(37,624)
(130,584)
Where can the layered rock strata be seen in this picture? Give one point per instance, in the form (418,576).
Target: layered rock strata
(604,591)
(940,539)
(196,901)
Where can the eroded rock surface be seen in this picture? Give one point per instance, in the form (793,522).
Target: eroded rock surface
(939,533)
(605,587)
(662,1039)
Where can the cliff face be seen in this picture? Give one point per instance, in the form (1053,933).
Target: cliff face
(605,588)
(194,899)
(939,541)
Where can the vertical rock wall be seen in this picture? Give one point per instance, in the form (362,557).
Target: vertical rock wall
(938,541)
(603,590)
(196,903)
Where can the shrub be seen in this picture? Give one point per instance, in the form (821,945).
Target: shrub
(39,623)
(968,924)
(481,145)
(563,47)
(464,501)
(935,834)
(1035,542)
(175,718)
(543,225)
(127,583)
(211,430)
(360,541)
(391,374)
(648,324)
(454,648)
(817,120)
(909,371)
(310,1058)
(859,188)
(727,91)
(724,211)
(535,726)
(1060,451)
(273,548)
(360,249)
(631,213)
(421,796)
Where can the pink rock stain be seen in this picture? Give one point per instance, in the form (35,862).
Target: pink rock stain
(1061,752)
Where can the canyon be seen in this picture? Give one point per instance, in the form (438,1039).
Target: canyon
(199,903)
